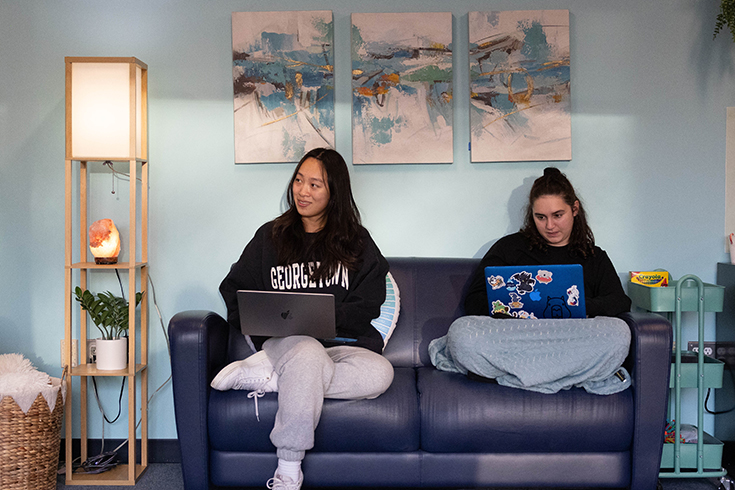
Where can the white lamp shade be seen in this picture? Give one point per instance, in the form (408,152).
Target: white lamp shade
(106,105)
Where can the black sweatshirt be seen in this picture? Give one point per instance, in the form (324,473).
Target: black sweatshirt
(358,294)
(604,295)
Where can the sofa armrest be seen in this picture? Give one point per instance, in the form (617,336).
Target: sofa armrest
(198,350)
(649,364)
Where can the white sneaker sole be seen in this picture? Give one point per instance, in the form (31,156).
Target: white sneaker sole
(223,381)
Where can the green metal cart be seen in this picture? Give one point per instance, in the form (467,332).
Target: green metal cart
(688,370)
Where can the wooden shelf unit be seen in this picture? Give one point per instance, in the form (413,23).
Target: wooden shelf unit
(137,271)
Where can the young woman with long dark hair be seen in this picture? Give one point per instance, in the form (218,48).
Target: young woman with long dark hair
(555,231)
(318,245)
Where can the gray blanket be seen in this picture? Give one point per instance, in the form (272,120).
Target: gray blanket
(538,355)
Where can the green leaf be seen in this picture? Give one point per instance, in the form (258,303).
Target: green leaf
(726,17)
(108,312)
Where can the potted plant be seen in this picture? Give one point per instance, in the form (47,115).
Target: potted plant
(726,17)
(110,315)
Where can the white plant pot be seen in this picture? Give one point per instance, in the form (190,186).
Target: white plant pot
(112,354)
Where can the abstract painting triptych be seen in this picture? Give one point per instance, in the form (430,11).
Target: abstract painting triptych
(402,86)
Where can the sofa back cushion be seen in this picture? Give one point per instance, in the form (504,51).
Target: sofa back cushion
(432,297)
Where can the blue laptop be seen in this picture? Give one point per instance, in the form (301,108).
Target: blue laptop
(537,291)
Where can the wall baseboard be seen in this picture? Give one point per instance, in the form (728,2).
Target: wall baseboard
(159,450)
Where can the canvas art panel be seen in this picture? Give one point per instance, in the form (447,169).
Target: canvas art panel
(283,77)
(402,88)
(520,108)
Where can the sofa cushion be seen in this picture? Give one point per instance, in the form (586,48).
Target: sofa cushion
(459,415)
(432,292)
(389,423)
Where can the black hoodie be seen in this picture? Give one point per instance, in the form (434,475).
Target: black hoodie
(604,295)
(358,294)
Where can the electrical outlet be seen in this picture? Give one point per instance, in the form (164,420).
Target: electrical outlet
(91,351)
(725,352)
(74,353)
(722,351)
(709,347)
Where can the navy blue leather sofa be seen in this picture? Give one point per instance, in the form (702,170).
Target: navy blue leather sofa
(431,428)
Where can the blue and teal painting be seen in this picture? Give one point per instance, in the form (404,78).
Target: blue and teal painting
(520,106)
(402,88)
(283,77)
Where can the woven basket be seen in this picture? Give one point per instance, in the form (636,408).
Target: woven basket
(29,444)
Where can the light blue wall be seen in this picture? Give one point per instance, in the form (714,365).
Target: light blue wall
(649,92)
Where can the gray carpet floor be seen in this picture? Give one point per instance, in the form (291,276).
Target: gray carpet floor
(167,476)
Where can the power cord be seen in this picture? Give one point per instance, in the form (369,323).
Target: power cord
(118,175)
(102,410)
(100,463)
(706,398)
(165,336)
(104,461)
(163,330)
(94,465)
(168,346)
(122,289)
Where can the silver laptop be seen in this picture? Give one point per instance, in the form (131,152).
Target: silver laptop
(280,314)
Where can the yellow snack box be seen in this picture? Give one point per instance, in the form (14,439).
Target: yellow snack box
(654,279)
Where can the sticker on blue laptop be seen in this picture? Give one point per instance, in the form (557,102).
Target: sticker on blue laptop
(515,302)
(544,277)
(573,295)
(496,282)
(499,307)
(556,307)
(522,282)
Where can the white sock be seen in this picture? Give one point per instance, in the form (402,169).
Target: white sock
(290,469)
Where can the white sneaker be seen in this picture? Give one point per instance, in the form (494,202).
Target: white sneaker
(254,373)
(279,482)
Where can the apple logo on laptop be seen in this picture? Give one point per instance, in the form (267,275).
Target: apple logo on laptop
(286,314)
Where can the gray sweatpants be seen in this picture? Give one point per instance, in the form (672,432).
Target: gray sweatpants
(307,374)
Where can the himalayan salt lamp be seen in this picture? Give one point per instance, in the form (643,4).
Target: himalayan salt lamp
(104,241)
